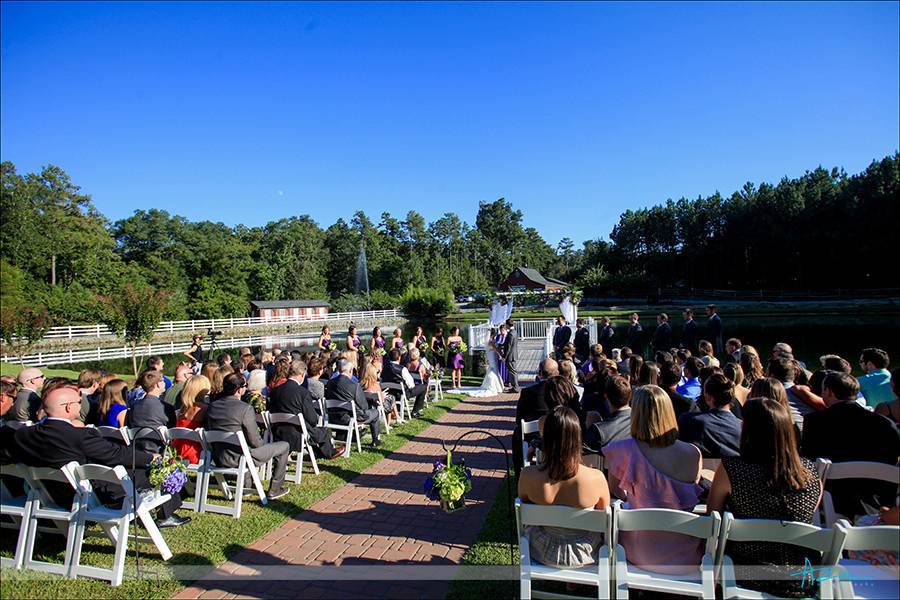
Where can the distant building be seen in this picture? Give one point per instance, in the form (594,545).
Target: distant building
(276,310)
(526,279)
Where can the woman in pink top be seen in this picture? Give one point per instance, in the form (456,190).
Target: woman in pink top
(653,469)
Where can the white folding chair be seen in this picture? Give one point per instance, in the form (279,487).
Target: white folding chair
(199,469)
(118,435)
(305,447)
(573,518)
(375,399)
(852,470)
(155,434)
(528,427)
(435,387)
(18,508)
(859,578)
(701,583)
(398,390)
(135,505)
(44,506)
(245,465)
(826,541)
(262,421)
(352,428)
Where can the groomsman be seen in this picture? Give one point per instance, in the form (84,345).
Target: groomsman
(607,333)
(582,341)
(662,337)
(561,336)
(689,335)
(714,328)
(635,335)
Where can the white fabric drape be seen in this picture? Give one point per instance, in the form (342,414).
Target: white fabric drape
(500,312)
(567,309)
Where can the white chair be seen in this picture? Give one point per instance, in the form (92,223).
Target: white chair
(118,435)
(398,391)
(352,428)
(573,518)
(154,434)
(528,427)
(826,541)
(435,387)
(44,506)
(701,583)
(116,521)
(18,508)
(852,470)
(199,469)
(245,465)
(262,422)
(375,400)
(861,579)
(306,446)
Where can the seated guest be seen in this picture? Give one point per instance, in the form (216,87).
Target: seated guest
(372,388)
(559,391)
(182,372)
(706,354)
(257,393)
(670,376)
(735,373)
(291,397)
(228,412)
(785,370)
(716,432)
(282,365)
(7,398)
(27,403)
(560,479)
(149,410)
(156,362)
(416,366)
(394,372)
(653,469)
(691,387)
(618,425)
(625,360)
(112,408)
(192,415)
(634,368)
(531,406)
(875,385)
(343,388)
(568,370)
(649,374)
(596,352)
(768,480)
(314,383)
(846,431)
(58,441)
(891,410)
(88,384)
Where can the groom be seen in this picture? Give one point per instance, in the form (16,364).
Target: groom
(509,353)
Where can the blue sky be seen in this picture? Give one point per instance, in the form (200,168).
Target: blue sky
(245,113)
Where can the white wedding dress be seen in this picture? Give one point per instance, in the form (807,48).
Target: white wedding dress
(491,385)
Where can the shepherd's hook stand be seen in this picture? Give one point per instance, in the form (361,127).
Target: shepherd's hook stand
(512,530)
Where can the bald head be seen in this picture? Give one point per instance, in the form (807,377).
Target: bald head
(63,402)
(31,378)
(549,368)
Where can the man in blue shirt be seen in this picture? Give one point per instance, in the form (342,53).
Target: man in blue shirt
(716,432)
(875,385)
(691,387)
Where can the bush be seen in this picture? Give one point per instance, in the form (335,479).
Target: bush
(426,302)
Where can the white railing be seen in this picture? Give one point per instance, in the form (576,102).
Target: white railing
(201,325)
(533,330)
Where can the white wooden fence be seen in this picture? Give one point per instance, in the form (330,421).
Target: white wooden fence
(535,329)
(201,325)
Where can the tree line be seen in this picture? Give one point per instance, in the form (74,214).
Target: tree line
(822,230)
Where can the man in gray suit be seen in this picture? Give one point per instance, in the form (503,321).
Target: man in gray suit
(150,411)
(229,413)
(509,352)
(28,401)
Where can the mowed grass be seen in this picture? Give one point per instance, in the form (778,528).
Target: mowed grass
(208,539)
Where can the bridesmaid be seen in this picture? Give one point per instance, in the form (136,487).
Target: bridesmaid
(397,341)
(454,342)
(353,343)
(325,340)
(420,337)
(438,349)
(377,341)
(499,339)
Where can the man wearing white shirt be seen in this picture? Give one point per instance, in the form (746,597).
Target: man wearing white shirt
(394,372)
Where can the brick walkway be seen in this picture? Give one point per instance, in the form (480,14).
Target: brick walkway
(377,522)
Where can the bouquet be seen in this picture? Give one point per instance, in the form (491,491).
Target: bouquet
(167,472)
(359,347)
(327,343)
(458,347)
(423,349)
(449,483)
(381,351)
(256,400)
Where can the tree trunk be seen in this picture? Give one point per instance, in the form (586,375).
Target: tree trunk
(134,360)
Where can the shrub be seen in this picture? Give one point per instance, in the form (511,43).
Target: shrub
(426,302)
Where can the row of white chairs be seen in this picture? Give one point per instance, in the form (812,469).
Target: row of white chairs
(37,505)
(613,575)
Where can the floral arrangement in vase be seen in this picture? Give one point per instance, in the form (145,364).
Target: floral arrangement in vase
(167,472)
(449,483)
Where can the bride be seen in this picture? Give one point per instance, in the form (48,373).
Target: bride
(491,385)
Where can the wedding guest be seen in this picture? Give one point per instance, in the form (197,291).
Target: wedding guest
(439,349)
(456,360)
(596,352)
(28,401)
(706,354)
(112,406)
(635,362)
(394,372)
(292,398)
(531,405)
(314,375)
(372,388)
(625,360)
(561,479)
(149,410)
(691,386)
(182,372)
(649,374)
(716,431)
(735,374)
(192,415)
(617,426)
(257,393)
(733,350)
(279,375)
(891,410)
(397,340)
(568,371)
(654,469)
(88,383)
(875,385)
(325,343)
(767,480)
(752,367)
(670,377)
(345,389)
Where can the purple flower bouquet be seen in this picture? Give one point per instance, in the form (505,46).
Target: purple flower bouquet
(168,473)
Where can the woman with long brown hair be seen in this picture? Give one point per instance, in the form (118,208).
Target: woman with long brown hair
(112,406)
(561,479)
(191,414)
(752,367)
(769,480)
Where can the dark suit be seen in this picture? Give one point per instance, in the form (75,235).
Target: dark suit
(582,344)
(681,404)
(847,432)
(151,412)
(635,338)
(714,333)
(291,397)
(689,337)
(393,373)
(662,338)
(25,407)
(509,353)
(531,406)
(561,336)
(616,427)
(605,339)
(56,442)
(230,413)
(346,390)
(716,432)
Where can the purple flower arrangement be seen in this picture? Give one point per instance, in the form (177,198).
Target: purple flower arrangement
(448,483)
(167,472)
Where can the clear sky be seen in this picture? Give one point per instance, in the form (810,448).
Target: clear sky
(246,113)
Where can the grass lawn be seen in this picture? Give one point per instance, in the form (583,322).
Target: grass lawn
(209,539)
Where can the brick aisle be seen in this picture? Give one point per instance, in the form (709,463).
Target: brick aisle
(380,519)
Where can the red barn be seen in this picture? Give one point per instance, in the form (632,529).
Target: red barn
(281,310)
(525,279)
